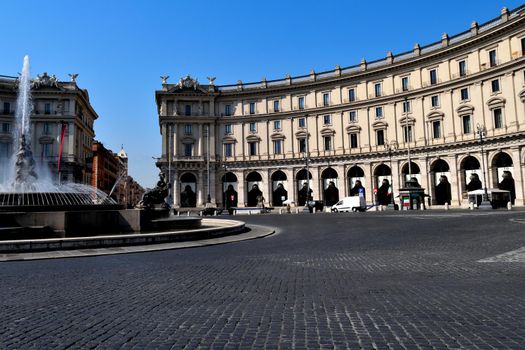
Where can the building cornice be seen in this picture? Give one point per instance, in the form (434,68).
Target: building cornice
(420,56)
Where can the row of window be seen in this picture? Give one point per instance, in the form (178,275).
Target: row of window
(47,108)
(436,129)
(6,128)
(276,105)
(464,96)
(433,79)
(5,150)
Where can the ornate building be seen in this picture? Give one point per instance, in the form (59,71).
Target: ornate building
(61,112)
(358,122)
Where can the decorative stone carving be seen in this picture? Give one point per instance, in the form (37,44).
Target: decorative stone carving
(188,83)
(44,80)
(156,196)
(73,77)
(164,78)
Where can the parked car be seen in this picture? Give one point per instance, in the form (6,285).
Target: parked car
(347,204)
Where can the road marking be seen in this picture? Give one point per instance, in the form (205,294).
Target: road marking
(517,255)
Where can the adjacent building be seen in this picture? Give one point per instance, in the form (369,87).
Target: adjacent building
(110,174)
(61,113)
(356,123)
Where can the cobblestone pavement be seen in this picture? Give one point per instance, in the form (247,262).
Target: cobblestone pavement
(324,281)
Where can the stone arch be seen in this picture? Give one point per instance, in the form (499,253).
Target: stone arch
(279,192)
(301,180)
(379,125)
(327,132)
(329,178)
(500,162)
(469,167)
(188,190)
(381,172)
(411,120)
(253,176)
(439,165)
(435,115)
(354,174)
(521,95)
(253,186)
(439,168)
(230,195)
(416,172)
(465,109)
(496,102)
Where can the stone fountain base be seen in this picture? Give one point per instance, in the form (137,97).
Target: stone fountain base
(85,223)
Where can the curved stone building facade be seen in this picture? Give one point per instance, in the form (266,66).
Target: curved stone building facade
(359,122)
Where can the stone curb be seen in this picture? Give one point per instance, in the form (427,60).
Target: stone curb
(255,232)
(223,231)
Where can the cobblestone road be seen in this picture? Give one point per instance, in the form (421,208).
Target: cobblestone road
(330,281)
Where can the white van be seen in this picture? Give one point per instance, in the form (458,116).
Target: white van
(354,203)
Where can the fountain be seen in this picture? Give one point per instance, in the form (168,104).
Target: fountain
(36,207)
(23,190)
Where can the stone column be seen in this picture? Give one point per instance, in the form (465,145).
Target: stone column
(175,141)
(164,138)
(241,188)
(369,182)
(200,141)
(175,188)
(290,185)
(316,186)
(266,187)
(342,181)
(70,139)
(455,180)
(518,176)
(397,177)
(200,189)
(212,141)
(425,174)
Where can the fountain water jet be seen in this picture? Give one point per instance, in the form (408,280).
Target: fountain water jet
(35,207)
(24,189)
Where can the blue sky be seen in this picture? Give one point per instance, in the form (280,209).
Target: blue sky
(120,48)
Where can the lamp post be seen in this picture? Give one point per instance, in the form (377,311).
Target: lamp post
(390,148)
(170,159)
(208,199)
(408,139)
(481,131)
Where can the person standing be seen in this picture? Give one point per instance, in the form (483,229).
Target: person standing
(304,195)
(443,191)
(384,197)
(507,184)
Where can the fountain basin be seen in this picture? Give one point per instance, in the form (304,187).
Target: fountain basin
(76,223)
(212,228)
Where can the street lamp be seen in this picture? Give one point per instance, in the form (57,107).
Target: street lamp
(208,199)
(408,133)
(481,131)
(390,148)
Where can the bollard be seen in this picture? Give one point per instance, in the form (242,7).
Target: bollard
(178,213)
(471,206)
(187,213)
(509,206)
(446,206)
